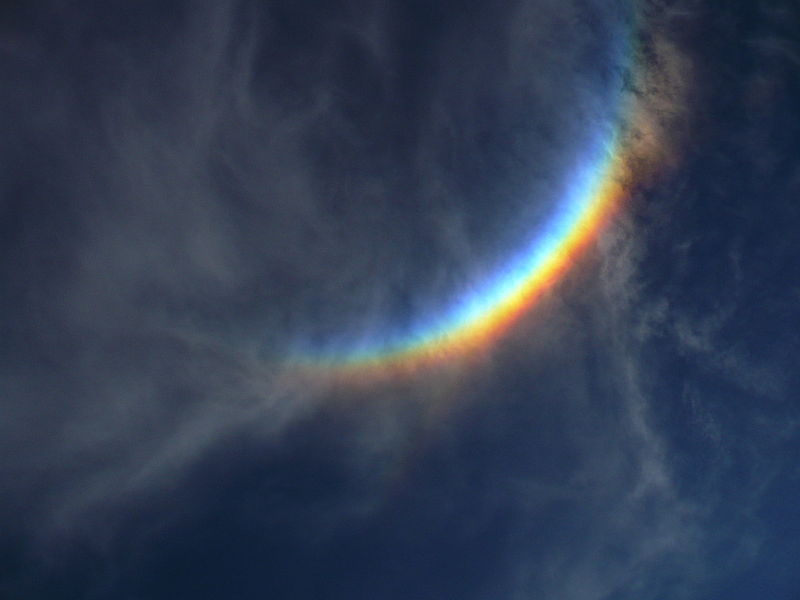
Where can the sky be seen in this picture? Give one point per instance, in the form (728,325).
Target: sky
(399,300)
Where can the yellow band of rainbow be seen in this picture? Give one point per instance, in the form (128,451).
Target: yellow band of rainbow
(485,316)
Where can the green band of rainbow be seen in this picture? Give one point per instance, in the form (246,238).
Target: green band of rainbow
(483,317)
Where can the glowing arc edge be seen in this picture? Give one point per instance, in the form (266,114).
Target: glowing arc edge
(482,318)
(486,316)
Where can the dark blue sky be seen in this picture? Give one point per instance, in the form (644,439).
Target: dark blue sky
(187,190)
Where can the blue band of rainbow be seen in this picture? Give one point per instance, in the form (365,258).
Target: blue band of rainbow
(483,316)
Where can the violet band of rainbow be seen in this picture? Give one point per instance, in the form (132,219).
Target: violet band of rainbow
(481,318)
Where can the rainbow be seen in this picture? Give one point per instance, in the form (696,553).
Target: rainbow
(481,318)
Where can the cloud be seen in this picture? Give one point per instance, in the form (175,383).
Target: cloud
(231,183)
(217,188)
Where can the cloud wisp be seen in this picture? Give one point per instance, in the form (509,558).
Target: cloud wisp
(232,181)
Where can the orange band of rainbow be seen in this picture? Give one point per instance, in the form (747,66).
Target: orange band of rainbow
(485,316)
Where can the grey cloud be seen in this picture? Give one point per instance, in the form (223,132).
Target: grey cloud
(218,204)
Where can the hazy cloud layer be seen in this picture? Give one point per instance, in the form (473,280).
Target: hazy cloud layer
(189,191)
